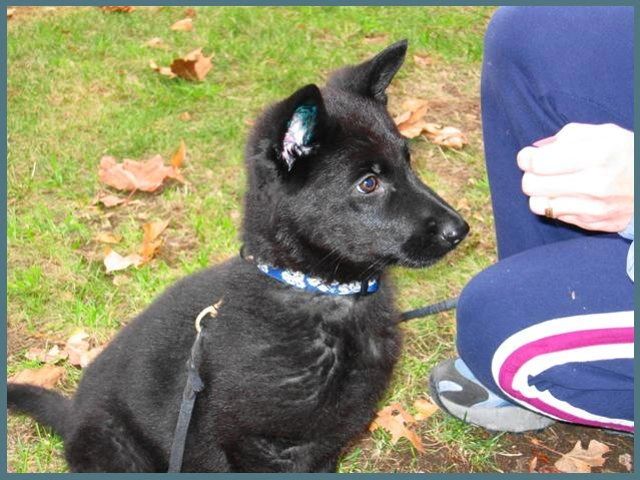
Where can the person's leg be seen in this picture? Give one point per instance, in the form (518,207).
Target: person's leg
(552,329)
(545,67)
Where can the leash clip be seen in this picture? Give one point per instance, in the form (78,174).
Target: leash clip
(211,310)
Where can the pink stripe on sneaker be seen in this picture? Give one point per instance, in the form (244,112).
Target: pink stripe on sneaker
(554,343)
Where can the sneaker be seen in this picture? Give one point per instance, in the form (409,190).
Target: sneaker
(459,393)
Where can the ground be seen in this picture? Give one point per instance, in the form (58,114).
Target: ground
(79,87)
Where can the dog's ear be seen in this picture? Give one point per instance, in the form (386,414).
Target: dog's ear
(371,78)
(303,121)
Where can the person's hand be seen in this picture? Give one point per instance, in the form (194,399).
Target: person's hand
(583,175)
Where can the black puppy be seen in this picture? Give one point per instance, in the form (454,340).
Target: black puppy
(306,338)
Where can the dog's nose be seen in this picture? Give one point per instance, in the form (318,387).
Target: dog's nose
(455,231)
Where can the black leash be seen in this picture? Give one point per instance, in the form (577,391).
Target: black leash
(443,306)
(193,386)
(194,382)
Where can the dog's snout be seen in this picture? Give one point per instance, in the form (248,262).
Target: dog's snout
(455,230)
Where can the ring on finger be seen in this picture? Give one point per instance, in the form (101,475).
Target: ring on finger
(548,211)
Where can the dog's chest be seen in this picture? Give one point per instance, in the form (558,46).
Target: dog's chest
(336,350)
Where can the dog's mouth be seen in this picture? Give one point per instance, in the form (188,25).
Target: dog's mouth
(425,251)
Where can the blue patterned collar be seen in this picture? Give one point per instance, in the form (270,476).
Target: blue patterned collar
(313,284)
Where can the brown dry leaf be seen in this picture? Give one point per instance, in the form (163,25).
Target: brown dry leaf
(397,422)
(193,66)
(113,261)
(150,241)
(166,71)
(45,377)
(76,345)
(411,123)
(51,356)
(425,409)
(580,460)
(156,42)
(89,356)
(184,25)
(117,8)
(626,460)
(177,159)
(109,200)
(422,59)
(533,464)
(130,175)
(107,237)
(190,12)
(79,350)
(10,12)
(450,137)
(185,116)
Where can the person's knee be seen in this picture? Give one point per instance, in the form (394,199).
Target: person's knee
(477,321)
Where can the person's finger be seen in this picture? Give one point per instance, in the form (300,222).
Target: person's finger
(554,158)
(571,184)
(588,210)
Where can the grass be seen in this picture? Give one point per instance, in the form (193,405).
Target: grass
(79,87)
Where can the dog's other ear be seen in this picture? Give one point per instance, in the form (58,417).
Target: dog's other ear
(302,121)
(372,77)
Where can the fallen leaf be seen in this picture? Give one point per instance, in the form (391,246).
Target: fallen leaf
(397,422)
(423,59)
(130,175)
(185,116)
(10,12)
(532,464)
(107,237)
(76,345)
(166,71)
(80,351)
(450,137)
(51,356)
(109,200)
(89,356)
(626,460)
(463,204)
(150,241)
(411,123)
(425,409)
(184,25)
(193,66)
(113,261)
(156,42)
(117,8)
(177,159)
(580,460)
(45,377)
(190,12)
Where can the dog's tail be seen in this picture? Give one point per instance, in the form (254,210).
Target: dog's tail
(45,406)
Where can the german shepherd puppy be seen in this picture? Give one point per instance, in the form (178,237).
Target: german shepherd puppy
(295,362)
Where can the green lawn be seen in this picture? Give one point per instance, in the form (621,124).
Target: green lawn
(80,87)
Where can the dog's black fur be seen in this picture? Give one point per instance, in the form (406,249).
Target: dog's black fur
(291,377)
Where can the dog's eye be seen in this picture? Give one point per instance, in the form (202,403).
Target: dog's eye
(369,184)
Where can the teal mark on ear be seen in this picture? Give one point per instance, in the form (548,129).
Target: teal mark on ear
(299,134)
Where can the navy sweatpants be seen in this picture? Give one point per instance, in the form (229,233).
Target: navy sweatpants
(550,326)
